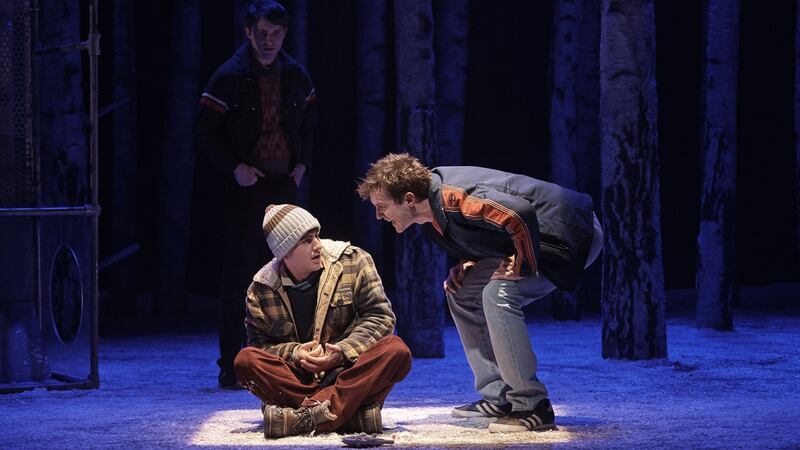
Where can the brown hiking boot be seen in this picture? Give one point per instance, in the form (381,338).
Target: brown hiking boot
(366,420)
(280,422)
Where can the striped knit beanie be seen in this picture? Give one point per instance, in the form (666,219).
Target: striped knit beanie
(284,225)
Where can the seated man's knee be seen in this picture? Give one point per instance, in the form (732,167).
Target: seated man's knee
(245,359)
(395,344)
(397,349)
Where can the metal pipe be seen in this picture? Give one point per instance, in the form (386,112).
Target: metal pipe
(94,52)
(47,211)
(64,48)
(36,169)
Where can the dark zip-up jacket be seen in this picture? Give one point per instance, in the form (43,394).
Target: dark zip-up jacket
(230,113)
(481,213)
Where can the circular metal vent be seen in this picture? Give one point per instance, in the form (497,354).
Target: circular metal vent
(66,294)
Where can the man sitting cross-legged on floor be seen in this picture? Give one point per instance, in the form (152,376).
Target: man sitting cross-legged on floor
(321,355)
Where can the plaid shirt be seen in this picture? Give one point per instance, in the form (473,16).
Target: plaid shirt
(352,308)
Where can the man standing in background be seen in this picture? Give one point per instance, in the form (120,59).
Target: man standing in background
(255,123)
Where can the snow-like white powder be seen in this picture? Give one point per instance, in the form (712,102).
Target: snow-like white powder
(737,389)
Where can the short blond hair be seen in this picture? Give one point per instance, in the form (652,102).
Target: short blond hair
(396,174)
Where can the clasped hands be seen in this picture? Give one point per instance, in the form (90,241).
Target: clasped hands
(315,358)
(247,175)
(504,271)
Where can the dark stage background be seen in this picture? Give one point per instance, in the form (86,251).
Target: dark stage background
(506,125)
(160,227)
(537,88)
(507,102)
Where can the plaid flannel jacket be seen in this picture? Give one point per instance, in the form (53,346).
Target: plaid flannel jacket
(352,308)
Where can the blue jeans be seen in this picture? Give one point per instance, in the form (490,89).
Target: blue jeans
(489,318)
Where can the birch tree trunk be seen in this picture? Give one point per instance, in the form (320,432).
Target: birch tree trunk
(177,160)
(563,123)
(587,98)
(420,266)
(452,52)
(370,114)
(574,148)
(715,239)
(587,103)
(563,114)
(633,279)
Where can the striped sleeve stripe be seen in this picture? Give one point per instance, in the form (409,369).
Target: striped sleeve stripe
(311,95)
(213,102)
(457,200)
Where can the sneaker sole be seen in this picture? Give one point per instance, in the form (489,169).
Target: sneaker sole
(503,428)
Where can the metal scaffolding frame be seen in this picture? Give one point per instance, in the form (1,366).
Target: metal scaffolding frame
(90,210)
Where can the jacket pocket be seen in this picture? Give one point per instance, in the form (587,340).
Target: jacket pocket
(340,311)
(554,242)
(342,298)
(556,254)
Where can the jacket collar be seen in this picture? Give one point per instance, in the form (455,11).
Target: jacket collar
(435,199)
(272,273)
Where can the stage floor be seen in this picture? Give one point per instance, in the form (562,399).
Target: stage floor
(737,389)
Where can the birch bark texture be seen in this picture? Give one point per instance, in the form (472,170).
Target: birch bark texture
(714,277)
(420,266)
(451,43)
(370,114)
(633,302)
